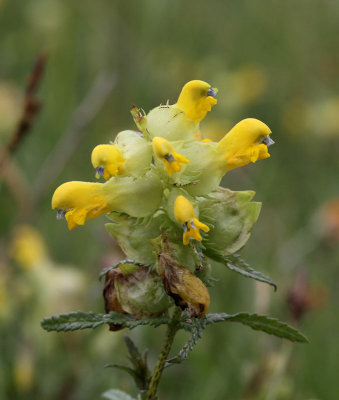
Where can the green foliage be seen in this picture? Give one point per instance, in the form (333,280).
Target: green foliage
(140,372)
(82,320)
(261,323)
(235,263)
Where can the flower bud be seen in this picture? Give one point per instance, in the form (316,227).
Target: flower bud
(183,286)
(135,290)
(139,117)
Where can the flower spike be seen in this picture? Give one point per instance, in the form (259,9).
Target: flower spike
(107,161)
(165,152)
(184,213)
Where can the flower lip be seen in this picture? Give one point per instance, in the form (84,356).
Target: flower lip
(268,141)
(99,171)
(192,225)
(60,214)
(169,158)
(212,92)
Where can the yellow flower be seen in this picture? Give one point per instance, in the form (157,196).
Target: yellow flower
(108,161)
(246,142)
(196,99)
(184,213)
(165,152)
(79,201)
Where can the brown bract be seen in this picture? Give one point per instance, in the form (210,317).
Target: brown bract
(183,286)
(110,296)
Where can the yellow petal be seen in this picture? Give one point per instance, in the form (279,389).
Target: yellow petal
(183,210)
(243,143)
(180,158)
(195,101)
(162,147)
(109,157)
(81,200)
(200,225)
(164,150)
(184,214)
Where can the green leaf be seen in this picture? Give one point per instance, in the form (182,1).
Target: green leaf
(73,321)
(132,348)
(115,394)
(140,372)
(129,370)
(235,263)
(85,320)
(261,323)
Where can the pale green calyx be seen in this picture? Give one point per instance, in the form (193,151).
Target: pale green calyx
(163,198)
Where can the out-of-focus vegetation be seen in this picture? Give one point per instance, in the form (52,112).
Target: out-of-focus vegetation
(275,61)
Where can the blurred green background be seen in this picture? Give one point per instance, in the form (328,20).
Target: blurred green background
(272,60)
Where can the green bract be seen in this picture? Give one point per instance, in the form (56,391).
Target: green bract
(163,198)
(233,215)
(171,123)
(136,150)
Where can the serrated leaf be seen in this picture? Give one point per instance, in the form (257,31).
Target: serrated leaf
(115,394)
(235,263)
(85,320)
(261,323)
(73,321)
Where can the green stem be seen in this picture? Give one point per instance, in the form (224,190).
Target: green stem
(171,331)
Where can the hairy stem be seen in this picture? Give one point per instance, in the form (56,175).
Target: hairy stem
(171,331)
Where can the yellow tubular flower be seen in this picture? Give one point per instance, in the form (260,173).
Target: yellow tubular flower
(246,142)
(196,99)
(108,161)
(184,213)
(165,152)
(79,201)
